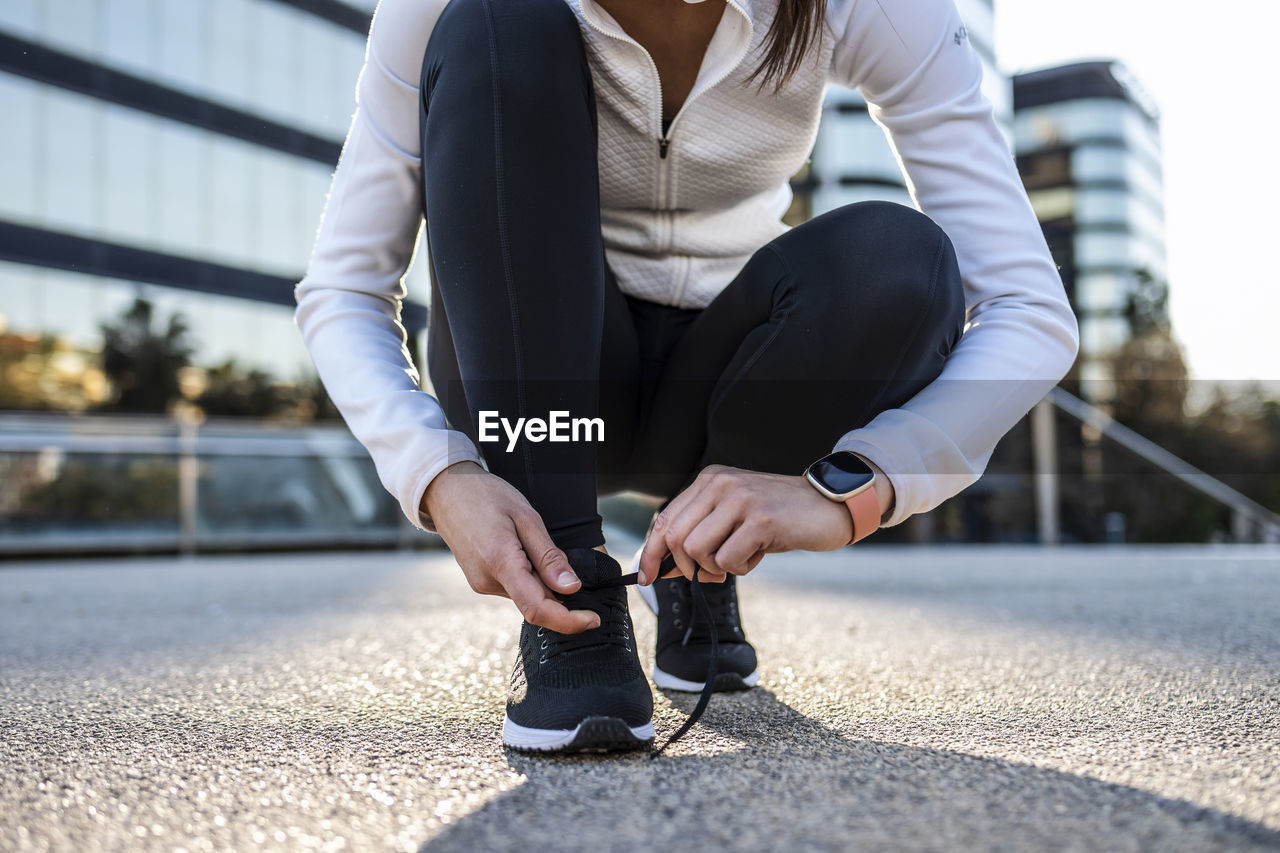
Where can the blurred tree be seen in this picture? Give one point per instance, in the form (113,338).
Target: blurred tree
(1147,308)
(141,362)
(1150,392)
(238,392)
(45,372)
(1237,439)
(230,389)
(313,401)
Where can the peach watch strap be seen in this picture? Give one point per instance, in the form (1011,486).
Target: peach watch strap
(865,509)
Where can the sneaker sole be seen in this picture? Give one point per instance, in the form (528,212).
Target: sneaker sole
(594,734)
(725,682)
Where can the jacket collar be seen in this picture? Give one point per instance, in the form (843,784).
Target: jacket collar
(728,47)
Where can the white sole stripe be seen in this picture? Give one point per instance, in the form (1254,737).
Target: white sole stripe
(667,681)
(523,737)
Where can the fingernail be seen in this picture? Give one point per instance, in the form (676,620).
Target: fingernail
(568,579)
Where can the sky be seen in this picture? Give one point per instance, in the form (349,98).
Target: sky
(1214,70)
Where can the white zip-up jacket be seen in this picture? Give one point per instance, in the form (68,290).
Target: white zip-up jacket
(677,228)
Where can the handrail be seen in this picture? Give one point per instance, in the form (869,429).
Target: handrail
(1206,484)
(164,437)
(188,441)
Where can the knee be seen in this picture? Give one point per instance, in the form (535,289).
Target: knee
(879,256)
(875,222)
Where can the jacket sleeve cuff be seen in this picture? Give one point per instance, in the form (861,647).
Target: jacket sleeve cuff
(921,479)
(462,450)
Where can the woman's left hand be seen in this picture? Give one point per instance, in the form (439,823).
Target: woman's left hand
(728,519)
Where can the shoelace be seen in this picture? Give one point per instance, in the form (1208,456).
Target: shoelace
(700,601)
(721,600)
(565,642)
(613,628)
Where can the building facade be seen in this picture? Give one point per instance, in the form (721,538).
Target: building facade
(1088,144)
(183,150)
(852,160)
(177,150)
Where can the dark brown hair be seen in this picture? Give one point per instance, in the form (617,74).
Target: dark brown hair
(795,27)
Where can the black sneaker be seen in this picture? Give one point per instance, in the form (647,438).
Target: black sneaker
(683,648)
(582,692)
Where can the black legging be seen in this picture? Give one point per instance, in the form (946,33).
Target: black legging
(838,319)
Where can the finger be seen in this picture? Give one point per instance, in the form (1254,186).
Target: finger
(548,561)
(709,535)
(539,607)
(743,550)
(669,569)
(691,516)
(655,546)
(653,554)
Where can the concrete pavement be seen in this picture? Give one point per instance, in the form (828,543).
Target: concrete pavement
(925,699)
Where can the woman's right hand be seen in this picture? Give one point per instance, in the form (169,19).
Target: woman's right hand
(503,547)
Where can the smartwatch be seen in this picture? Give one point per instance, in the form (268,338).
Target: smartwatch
(844,477)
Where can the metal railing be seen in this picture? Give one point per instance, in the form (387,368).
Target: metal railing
(218,485)
(224,485)
(1250,520)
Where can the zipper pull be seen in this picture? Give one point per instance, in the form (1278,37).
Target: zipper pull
(662,147)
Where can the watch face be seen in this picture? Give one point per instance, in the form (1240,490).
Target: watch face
(841,473)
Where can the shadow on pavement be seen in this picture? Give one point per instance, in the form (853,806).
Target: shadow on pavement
(772,778)
(1200,600)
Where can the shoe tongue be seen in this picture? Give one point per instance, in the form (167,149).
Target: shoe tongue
(592,566)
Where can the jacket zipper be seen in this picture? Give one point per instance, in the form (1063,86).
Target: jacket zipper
(664,139)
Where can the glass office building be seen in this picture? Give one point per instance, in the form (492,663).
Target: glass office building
(852,160)
(181,149)
(1088,143)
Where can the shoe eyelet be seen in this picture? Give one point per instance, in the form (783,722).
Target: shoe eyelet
(542,659)
(679,624)
(542,632)
(675,607)
(544,644)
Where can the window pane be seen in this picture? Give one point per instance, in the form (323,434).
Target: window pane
(230,30)
(71,25)
(1099,292)
(1102,335)
(231,178)
(21,17)
(129,191)
(75,135)
(22,164)
(182,60)
(275,60)
(129,37)
(182,201)
(281,244)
